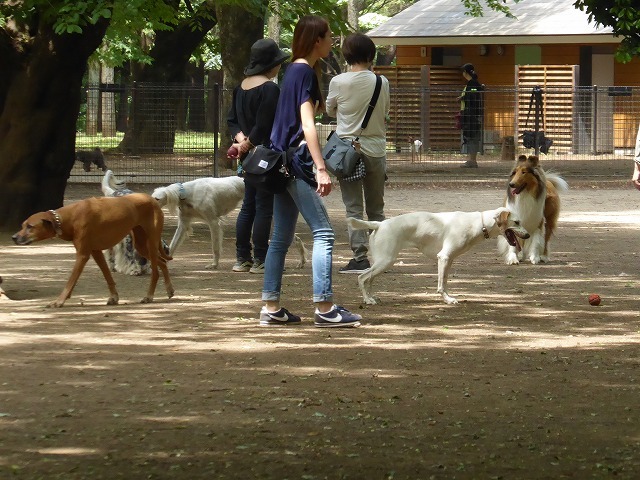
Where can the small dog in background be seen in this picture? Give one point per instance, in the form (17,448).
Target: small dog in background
(533,196)
(87,157)
(123,257)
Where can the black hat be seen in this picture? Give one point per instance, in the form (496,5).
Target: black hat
(265,55)
(468,67)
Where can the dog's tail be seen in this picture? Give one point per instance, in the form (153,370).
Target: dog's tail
(113,186)
(107,189)
(357,224)
(163,250)
(557,181)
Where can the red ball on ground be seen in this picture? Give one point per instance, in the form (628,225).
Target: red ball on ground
(594,299)
(232,152)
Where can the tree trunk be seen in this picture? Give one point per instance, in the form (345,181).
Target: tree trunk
(40,91)
(195,100)
(155,98)
(235,51)
(93,97)
(213,77)
(108,104)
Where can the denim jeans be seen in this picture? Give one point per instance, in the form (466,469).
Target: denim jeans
(300,197)
(254,217)
(365,195)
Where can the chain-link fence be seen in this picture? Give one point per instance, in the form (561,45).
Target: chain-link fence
(167,133)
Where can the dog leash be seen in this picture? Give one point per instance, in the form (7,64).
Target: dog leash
(57,222)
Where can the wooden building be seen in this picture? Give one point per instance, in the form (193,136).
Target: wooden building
(548,43)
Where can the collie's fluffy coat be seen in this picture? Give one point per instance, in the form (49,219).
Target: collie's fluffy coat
(534,196)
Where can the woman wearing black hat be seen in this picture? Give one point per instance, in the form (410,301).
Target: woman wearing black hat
(471,106)
(250,120)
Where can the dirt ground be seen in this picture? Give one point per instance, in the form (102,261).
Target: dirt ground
(522,379)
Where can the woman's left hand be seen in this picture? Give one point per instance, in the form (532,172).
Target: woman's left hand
(324,182)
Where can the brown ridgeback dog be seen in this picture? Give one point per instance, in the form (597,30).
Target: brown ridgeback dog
(96,224)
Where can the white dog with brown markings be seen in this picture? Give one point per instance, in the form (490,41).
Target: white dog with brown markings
(446,235)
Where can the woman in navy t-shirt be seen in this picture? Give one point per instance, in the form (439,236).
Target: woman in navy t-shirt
(294,126)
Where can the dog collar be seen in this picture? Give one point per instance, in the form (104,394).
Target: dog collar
(57,222)
(182,193)
(485,232)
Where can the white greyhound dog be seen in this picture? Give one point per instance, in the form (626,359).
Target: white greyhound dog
(446,234)
(207,199)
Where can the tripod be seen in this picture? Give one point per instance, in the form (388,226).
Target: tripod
(536,139)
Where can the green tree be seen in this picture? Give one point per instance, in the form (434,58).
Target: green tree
(623,16)
(44,48)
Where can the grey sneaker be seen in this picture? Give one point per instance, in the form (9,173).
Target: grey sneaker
(280,318)
(257,267)
(337,317)
(242,266)
(356,266)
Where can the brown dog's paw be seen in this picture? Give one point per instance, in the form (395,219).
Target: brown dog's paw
(170,292)
(113,301)
(146,300)
(56,304)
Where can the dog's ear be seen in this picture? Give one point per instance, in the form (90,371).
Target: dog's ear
(48,221)
(534,160)
(521,158)
(502,215)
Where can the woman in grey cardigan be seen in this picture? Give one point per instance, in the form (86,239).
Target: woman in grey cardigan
(348,99)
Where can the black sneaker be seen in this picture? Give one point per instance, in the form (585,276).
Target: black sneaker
(242,266)
(279,318)
(356,266)
(337,317)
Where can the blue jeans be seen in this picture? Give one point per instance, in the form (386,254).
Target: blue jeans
(254,217)
(365,195)
(300,197)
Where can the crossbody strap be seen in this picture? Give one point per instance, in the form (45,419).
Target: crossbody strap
(372,104)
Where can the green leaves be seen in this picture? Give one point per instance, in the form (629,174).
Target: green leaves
(622,16)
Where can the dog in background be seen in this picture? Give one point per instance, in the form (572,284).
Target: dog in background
(533,196)
(87,157)
(123,257)
(446,235)
(96,224)
(207,199)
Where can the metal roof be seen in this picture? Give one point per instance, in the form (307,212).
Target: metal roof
(444,22)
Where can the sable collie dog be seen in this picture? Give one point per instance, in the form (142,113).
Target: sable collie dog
(534,197)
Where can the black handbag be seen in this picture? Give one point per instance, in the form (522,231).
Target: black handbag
(266,169)
(341,155)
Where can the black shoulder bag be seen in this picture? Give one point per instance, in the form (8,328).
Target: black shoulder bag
(267,169)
